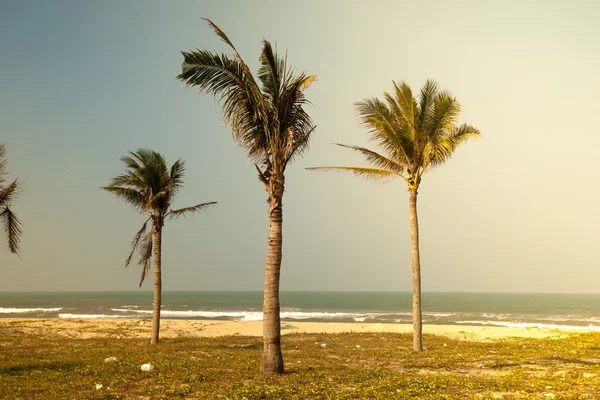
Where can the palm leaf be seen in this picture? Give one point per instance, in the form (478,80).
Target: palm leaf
(454,138)
(145,256)
(384,130)
(8,193)
(183,212)
(271,71)
(176,175)
(244,108)
(12,228)
(135,241)
(3,163)
(368,173)
(426,103)
(131,196)
(220,33)
(376,159)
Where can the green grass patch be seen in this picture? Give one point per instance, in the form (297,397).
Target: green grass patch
(350,366)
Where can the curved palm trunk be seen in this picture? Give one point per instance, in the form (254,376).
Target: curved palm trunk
(157,282)
(416,273)
(272,361)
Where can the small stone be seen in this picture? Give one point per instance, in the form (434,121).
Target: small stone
(323,345)
(99,386)
(147,367)
(550,395)
(110,359)
(358,346)
(548,387)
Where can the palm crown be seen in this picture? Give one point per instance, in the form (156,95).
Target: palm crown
(149,186)
(416,134)
(11,224)
(269,121)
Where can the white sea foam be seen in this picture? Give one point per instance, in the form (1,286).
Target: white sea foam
(250,315)
(26,310)
(88,316)
(589,328)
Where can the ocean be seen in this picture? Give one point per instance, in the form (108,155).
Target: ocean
(558,311)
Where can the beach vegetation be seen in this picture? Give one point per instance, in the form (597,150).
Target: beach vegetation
(34,366)
(149,186)
(9,189)
(267,117)
(414,135)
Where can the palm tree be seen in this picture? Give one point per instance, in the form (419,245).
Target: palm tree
(415,135)
(12,225)
(269,121)
(149,185)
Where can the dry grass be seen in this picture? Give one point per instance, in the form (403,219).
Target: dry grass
(349,366)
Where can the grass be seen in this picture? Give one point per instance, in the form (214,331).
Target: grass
(349,366)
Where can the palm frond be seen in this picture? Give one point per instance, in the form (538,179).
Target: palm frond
(131,196)
(455,137)
(176,175)
(8,193)
(444,117)
(426,102)
(145,256)
(12,228)
(183,212)
(220,33)
(244,108)
(395,140)
(3,163)
(377,160)
(271,72)
(381,175)
(135,241)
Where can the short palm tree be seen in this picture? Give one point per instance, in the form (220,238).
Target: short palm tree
(415,135)
(8,191)
(149,185)
(269,121)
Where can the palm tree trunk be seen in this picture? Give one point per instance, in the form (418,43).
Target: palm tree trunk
(416,273)
(157,228)
(272,361)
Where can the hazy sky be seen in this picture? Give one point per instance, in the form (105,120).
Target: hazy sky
(83,82)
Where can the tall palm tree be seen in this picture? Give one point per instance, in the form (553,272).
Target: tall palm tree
(149,185)
(269,121)
(415,135)
(8,191)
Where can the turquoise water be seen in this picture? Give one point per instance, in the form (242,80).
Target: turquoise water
(494,309)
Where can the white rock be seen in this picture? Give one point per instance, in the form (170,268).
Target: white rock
(147,367)
(358,346)
(323,345)
(551,395)
(99,386)
(548,387)
(110,359)
(141,322)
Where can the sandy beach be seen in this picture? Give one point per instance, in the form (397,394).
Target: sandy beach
(137,328)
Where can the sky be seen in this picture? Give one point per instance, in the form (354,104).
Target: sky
(84,82)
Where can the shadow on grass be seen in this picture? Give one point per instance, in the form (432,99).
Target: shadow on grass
(40,367)
(574,361)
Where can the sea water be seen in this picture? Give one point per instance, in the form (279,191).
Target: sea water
(559,311)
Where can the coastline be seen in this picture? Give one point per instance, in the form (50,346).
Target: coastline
(173,328)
